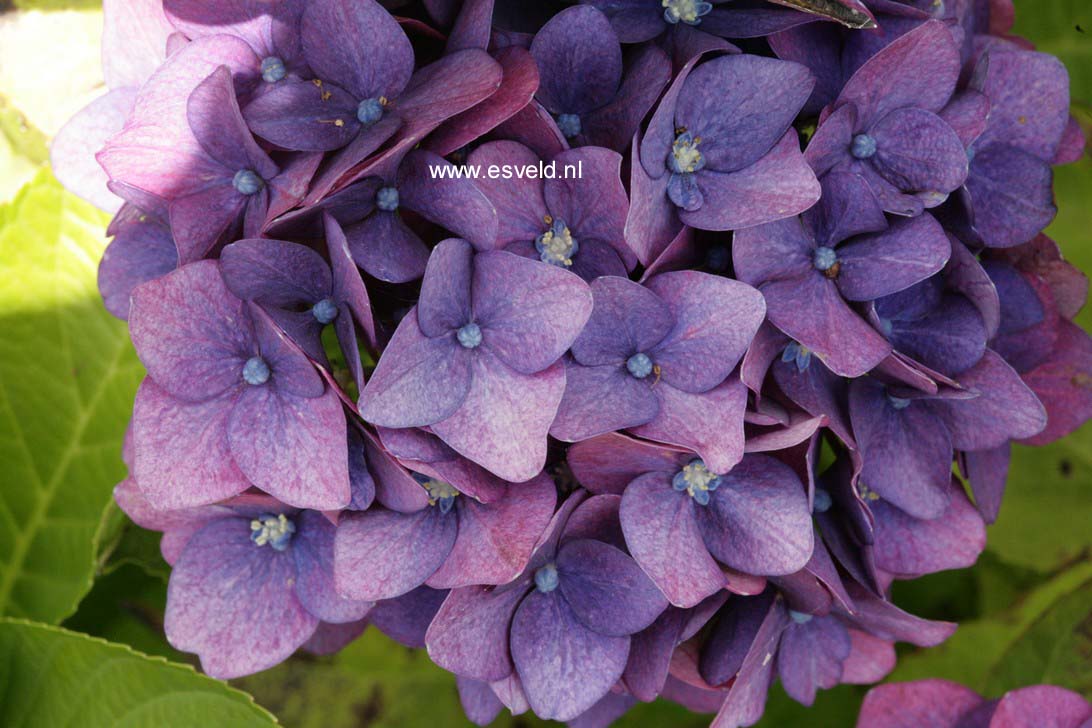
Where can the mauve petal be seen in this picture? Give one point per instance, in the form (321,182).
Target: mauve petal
(275,273)
(876,265)
(1061,383)
(626,318)
(268,30)
(606,589)
(313,549)
(386,248)
(987,472)
(746,22)
(504,418)
(608,463)
(579,61)
(292,373)
(966,275)
(758,520)
(356,44)
(810,657)
(534,127)
(967,114)
(746,697)
(293,447)
(428,454)
(72,152)
(1012,195)
(180,450)
(191,334)
(778,185)
(418,381)
(715,320)
(845,210)
(469,635)
(495,539)
(479,702)
(652,221)
(134,41)
(395,488)
(737,123)
(919,69)
(951,339)
(596,518)
(209,217)
(635,21)
(650,655)
(1072,146)
(830,145)
(565,668)
(1029,101)
(529,313)
(519,202)
(1042,706)
(304,116)
(212,111)
(662,534)
(445,289)
(613,125)
(330,638)
(935,703)
(819,391)
(405,619)
(710,424)
(142,250)
(383,554)
(917,151)
(230,601)
(361,482)
(883,619)
(870,660)
(907,452)
(454,204)
(601,399)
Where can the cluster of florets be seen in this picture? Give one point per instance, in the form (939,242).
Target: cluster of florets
(669,428)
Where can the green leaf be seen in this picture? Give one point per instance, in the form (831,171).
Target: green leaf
(53,677)
(979,647)
(67,378)
(1048,505)
(57,4)
(25,139)
(1064,29)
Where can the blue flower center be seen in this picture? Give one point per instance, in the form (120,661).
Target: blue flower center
(821,503)
(685,157)
(273,69)
(697,481)
(386,199)
(800,617)
(273,530)
(324,311)
(639,365)
(685,11)
(546,579)
(824,258)
(798,353)
(370,110)
(863,146)
(557,246)
(255,371)
(569,124)
(247,182)
(898,402)
(440,493)
(470,336)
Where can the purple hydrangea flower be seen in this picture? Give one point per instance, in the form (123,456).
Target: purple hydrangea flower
(229,402)
(477,359)
(656,360)
(715,157)
(143,249)
(574,224)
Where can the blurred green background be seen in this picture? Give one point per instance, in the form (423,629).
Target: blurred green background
(71,565)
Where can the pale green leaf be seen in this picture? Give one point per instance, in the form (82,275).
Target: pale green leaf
(67,378)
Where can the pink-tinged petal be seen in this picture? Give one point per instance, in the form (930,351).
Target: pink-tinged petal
(907,452)
(426,453)
(471,27)
(606,590)
(965,274)
(529,313)
(181,453)
(579,61)
(230,601)
(909,547)
(758,520)
(358,45)
(746,699)
(1041,706)
(652,222)
(883,619)
(710,424)
(565,668)
(800,429)
(534,127)
(292,447)
(454,204)
(663,536)
(313,549)
(72,153)
(445,289)
(810,657)
(496,539)
(202,220)
(395,487)
(601,399)
(715,320)
(1072,146)
(331,638)
(876,265)
(268,30)
(518,86)
(503,421)
(596,518)
(349,289)
(519,201)
(1005,408)
(917,151)
(191,334)
(212,112)
(480,703)
(832,139)
(778,185)
(178,525)
(1029,100)
(383,554)
(134,41)
(931,703)
(650,655)
(919,69)
(870,660)
(607,464)
(405,619)
(967,114)
(469,635)
(1063,384)
(418,381)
